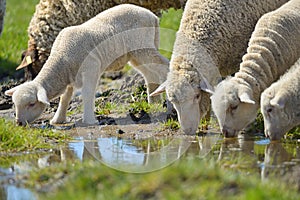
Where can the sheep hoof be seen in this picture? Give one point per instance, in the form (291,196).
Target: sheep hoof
(57,121)
(83,123)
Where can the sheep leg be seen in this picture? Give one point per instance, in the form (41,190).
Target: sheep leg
(153,67)
(90,80)
(61,113)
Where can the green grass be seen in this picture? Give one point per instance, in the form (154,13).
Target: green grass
(19,139)
(14,37)
(188,178)
(106,108)
(169,25)
(171,124)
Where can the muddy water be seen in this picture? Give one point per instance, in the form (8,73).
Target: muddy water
(141,151)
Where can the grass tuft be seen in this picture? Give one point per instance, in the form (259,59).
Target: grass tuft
(19,139)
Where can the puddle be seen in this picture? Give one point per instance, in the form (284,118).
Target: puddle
(9,189)
(145,152)
(11,192)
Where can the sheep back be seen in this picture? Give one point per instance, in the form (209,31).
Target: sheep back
(104,40)
(51,16)
(273,48)
(223,28)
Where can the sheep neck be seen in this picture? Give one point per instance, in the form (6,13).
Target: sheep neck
(54,79)
(249,79)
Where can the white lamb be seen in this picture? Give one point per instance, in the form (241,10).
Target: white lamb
(280,104)
(210,43)
(273,48)
(80,54)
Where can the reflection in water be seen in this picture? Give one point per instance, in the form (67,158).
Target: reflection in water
(9,184)
(256,156)
(140,155)
(77,147)
(283,163)
(269,160)
(15,193)
(137,156)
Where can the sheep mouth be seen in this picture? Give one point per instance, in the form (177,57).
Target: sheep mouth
(229,133)
(21,123)
(274,135)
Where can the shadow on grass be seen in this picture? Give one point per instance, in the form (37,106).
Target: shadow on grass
(7,70)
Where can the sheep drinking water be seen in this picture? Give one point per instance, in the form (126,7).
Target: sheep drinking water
(273,48)
(210,43)
(280,104)
(80,54)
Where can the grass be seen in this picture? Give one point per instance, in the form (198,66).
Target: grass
(171,124)
(169,24)
(137,103)
(20,139)
(188,178)
(14,37)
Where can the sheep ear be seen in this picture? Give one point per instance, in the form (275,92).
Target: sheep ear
(42,96)
(206,87)
(11,91)
(159,90)
(27,59)
(278,102)
(245,98)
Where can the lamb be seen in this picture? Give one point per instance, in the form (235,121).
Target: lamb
(280,104)
(51,16)
(2,14)
(211,40)
(273,48)
(80,54)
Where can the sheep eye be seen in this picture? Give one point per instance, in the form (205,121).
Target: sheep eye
(31,104)
(197,96)
(269,110)
(233,107)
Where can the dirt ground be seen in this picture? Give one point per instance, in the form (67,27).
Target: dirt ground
(116,87)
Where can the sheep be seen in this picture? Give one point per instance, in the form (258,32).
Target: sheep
(2,14)
(280,104)
(273,48)
(51,16)
(211,40)
(81,53)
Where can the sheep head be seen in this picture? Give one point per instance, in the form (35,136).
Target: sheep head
(189,100)
(30,101)
(233,106)
(280,113)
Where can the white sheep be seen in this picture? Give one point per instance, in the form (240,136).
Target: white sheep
(51,16)
(280,104)
(273,48)
(211,40)
(80,54)
(2,14)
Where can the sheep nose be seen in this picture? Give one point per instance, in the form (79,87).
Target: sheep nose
(267,133)
(225,132)
(19,123)
(228,133)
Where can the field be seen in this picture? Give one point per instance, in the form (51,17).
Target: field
(227,172)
